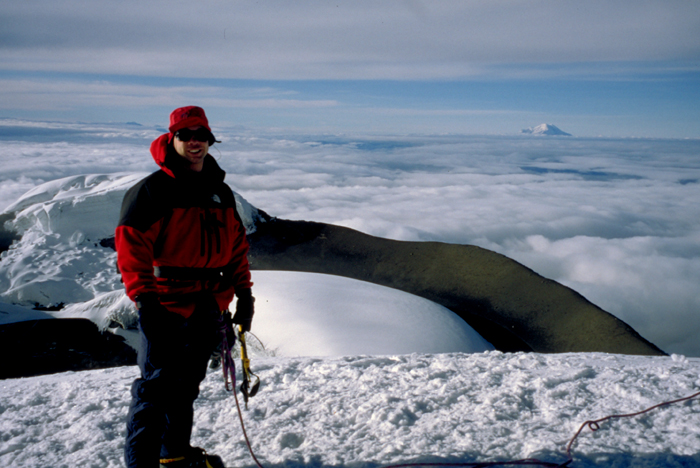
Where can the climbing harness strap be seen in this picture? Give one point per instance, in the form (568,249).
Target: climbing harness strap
(229,367)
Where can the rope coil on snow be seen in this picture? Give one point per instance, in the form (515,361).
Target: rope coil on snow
(595,424)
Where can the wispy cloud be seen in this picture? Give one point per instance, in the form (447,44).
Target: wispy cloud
(66,94)
(346,40)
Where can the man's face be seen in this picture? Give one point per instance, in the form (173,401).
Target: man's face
(192,150)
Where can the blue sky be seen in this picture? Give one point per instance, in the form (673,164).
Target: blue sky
(610,68)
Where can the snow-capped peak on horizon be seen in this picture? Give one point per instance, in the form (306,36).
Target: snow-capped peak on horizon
(545,129)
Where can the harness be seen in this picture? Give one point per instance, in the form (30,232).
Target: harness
(193,274)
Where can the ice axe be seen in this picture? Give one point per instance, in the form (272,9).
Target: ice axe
(247,389)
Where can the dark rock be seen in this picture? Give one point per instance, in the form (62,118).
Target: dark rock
(108,242)
(510,305)
(49,308)
(7,237)
(38,347)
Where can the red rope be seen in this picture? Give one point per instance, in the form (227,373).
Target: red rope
(595,424)
(523,462)
(240,417)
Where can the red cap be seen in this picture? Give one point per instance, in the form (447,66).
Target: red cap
(190,116)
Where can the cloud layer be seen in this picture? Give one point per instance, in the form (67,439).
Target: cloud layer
(615,219)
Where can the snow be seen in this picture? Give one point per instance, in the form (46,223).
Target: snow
(545,129)
(302,314)
(11,313)
(58,260)
(379,410)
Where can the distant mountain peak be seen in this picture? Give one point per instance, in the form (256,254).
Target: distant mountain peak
(545,129)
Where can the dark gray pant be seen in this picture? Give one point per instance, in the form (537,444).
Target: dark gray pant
(173,363)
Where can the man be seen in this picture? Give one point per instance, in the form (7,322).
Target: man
(182,253)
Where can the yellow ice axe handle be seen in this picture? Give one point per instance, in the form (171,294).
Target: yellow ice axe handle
(244,353)
(246,388)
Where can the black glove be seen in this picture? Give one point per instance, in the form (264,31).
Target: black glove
(155,319)
(244,309)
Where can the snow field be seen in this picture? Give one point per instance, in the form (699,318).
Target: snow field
(379,410)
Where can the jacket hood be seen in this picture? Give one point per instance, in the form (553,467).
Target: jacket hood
(166,158)
(159,151)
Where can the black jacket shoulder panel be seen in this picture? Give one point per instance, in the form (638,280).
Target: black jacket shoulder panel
(146,202)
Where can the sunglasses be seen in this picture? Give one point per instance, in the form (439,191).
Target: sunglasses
(201,134)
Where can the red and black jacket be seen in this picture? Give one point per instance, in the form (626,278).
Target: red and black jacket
(179,234)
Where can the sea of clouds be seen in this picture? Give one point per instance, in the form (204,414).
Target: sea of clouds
(615,219)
